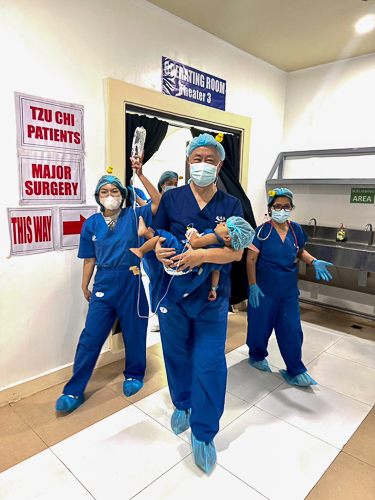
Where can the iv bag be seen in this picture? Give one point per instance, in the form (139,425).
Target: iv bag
(139,139)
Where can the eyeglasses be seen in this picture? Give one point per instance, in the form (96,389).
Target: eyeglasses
(281,207)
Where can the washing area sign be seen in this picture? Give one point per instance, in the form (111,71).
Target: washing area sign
(362,195)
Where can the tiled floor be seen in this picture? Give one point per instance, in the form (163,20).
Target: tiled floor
(275,442)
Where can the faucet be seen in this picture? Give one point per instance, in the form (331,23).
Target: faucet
(311,222)
(368,227)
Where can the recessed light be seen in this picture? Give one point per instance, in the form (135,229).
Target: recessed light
(365,24)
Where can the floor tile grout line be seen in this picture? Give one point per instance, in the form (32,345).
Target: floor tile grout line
(67,468)
(242,481)
(360,459)
(164,427)
(306,432)
(350,360)
(239,416)
(157,479)
(31,428)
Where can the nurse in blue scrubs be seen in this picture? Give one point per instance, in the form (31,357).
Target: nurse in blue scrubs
(193,329)
(168,180)
(273,291)
(105,241)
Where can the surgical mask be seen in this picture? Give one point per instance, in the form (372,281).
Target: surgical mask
(167,188)
(203,174)
(111,202)
(281,215)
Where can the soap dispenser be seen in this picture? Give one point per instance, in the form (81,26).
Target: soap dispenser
(341,233)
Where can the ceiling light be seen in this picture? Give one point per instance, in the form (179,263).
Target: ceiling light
(365,24)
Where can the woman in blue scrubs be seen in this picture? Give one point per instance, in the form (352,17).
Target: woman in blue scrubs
(273,291)
(193,329)
(168,180)
(105,241)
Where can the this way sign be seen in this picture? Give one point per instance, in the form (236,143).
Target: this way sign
(32,230)
(71,221)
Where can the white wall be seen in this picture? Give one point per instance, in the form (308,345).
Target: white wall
(332,106)
(65,51)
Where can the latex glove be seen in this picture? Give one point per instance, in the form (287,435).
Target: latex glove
(321,269)
(254,293)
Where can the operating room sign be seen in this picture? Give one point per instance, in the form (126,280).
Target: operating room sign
(49,125)
(47,178)
(179,80)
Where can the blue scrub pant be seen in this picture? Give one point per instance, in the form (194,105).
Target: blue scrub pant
(194,354)
(281,314)
(120,295)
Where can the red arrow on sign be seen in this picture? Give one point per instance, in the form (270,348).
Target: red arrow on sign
(73,227)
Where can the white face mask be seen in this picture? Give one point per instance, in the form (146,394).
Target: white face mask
(111,202)
(167,188)
(280,216)
(203,174)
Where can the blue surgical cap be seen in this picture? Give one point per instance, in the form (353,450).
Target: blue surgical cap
(240,231)
(109,179)
(165,176)
(205,140)
(273,193)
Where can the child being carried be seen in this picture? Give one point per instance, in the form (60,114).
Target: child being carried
(234,233)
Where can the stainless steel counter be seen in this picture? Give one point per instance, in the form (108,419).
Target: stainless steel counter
(355,253)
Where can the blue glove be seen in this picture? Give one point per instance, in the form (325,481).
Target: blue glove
(254,292)
(321,269)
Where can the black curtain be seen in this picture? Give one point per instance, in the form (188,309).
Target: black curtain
(156,130)
(229,177)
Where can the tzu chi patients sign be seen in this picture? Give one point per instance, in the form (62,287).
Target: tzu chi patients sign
(49,125)
(193,85)
(50,178)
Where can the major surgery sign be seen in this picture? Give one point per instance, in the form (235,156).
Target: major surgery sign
(190,84)
(47,178)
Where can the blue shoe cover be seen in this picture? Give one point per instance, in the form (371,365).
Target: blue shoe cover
(132,386)
(302,379)
(204,454)
(68,403)
(180,421)
(260,365)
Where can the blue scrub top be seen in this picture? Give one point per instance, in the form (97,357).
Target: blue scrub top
(177,210)
(276,268)
(111,248)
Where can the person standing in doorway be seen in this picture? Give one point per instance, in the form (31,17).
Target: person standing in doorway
(193,330)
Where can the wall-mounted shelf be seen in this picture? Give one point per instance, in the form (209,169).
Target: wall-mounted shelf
(278,167)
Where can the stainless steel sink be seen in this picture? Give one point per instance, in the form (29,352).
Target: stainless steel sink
(355,253)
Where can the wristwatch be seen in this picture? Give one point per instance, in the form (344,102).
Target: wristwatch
(312,262)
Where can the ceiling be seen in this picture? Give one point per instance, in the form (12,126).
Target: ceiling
(289,34)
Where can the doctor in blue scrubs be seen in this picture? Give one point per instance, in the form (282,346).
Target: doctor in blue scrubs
(105,241)
(273,291)
(193,329)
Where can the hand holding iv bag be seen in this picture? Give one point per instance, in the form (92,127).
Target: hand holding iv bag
(139,139)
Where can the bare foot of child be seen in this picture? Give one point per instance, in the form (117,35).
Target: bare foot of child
(142,229)
(137,251)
